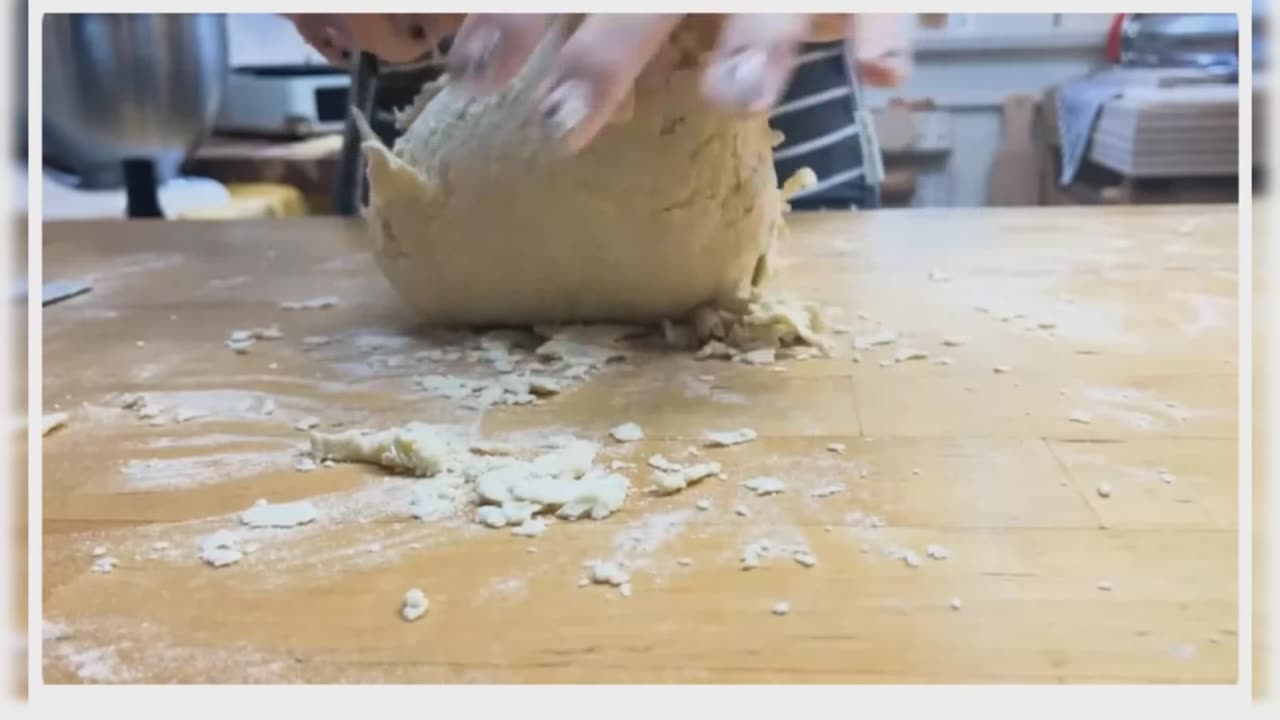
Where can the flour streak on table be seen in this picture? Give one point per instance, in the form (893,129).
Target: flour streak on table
(1127,315)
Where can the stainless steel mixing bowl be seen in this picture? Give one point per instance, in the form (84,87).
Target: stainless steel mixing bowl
(130,87)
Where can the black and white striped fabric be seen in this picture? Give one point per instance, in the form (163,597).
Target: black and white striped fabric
(821,117)
(826,129)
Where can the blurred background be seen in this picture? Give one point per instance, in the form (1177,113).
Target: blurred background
(222,116)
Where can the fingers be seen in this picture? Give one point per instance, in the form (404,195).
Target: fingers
(321,32)
(881,48)
(489,50)
(753,61)
(596,71)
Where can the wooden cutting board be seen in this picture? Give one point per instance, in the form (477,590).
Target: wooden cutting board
(1128,314)
(1015,173)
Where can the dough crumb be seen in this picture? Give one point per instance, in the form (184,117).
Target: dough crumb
(1001,369)
(837,448)
(317,303)
(1083,418)
(828,490)
(684,561)
(627,432)
(1105,585)
(53,421)
(414,605)
(799,181)
(307,423)
(867,342)
(1104,490)
(104,565)
(781,608)
(604,572)
(98,551)
(765,485)
(905,354)
(742,511)
(954,340)
(283,515)
(703,504)
(955,603)
(804,558)
(937,552)
(220,549)
(727,438)
(911,559)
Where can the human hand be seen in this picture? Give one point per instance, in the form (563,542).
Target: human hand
(749,67)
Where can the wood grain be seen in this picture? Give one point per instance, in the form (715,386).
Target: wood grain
(1142,304)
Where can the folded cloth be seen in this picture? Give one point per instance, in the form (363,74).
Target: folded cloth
(1079,103)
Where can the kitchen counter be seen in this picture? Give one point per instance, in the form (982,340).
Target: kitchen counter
(1127,315)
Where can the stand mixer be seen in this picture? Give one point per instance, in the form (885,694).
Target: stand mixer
(128,97)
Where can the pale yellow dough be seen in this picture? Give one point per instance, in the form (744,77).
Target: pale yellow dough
(477,220)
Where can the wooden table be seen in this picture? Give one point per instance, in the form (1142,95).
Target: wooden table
(1142,304)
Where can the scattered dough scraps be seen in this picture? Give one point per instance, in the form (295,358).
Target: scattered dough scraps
(905,354)
(730,437)
(241,340)
(805,558)
(604,572)
(668,482)
(627,432)
(800,180)
(866,342)
(414,448)
(414,605)
(53,421)
(283,515)
(765,485)
(532,527)
(317,303)
(828,490)
(221,549)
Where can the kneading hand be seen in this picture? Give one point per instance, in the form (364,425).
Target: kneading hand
(748,71)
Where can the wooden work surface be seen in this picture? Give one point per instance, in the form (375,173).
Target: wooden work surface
(1143,307)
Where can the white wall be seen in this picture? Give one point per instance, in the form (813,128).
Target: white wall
(266,39)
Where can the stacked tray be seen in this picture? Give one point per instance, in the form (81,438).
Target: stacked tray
(1171,131)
